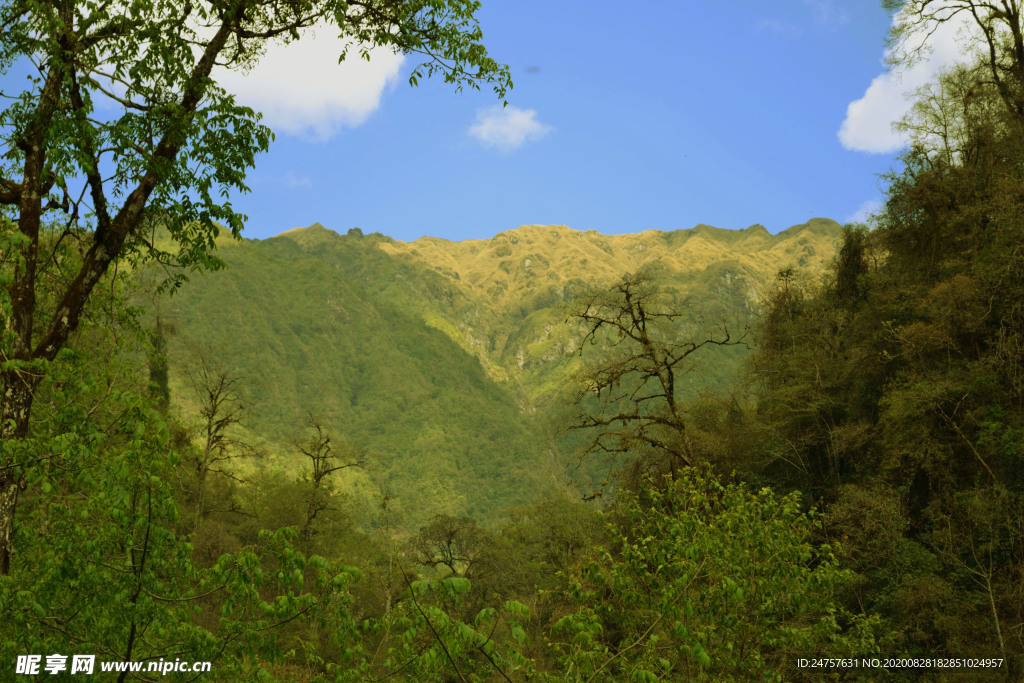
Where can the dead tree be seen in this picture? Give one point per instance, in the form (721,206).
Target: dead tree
(324,461)
(220,407)
(650,346)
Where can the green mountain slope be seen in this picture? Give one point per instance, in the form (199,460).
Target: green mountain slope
(444,360)
(306,338)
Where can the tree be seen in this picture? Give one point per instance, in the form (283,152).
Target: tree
(695,580)
(100,187)
(220,408)
(103,561)
(953,119)
(159,385)
(449,545)
(707,581)
(639,382)
(893,390)
(324,461)
(552,535)
(998,33)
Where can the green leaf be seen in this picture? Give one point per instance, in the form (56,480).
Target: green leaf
(517,608)
(456,585)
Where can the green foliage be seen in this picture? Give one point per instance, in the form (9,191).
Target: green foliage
(425,643)
(180,136)
(103,563)
(549,538)
(373,374)
(691,579)
(697,581)
(378,338)
(129,90)
(708,582)
(893,391)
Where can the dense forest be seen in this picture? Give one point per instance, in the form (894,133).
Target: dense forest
(458,397)
(856,493)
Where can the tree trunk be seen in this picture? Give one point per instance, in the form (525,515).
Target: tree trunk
(8,504)
(15,405)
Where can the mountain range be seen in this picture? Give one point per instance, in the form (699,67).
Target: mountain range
(448,363)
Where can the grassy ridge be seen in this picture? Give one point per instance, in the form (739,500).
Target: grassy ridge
(445,361)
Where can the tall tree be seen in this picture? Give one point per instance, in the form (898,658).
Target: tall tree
(217,392)
(893,391)
(997,27)
(449,545)
(103,563)
(178,143)
(324,461)
(639,381)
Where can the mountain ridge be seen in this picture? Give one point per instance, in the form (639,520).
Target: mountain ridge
(758,228)
(377,338)
(492,267)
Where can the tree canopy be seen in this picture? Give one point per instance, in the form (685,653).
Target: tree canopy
(996,34)
(98,184)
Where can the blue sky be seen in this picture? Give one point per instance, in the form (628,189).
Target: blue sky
(646,115)
(624,117)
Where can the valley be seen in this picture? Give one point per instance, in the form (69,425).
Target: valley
(449,363)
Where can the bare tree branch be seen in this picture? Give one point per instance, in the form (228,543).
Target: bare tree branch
(638,381)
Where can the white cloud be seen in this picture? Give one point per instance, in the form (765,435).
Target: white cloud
(865,211)
(869,120)
(507,128)
(301,89)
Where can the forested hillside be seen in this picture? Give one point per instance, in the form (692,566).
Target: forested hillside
(343,458)
(440,435)
(892,395)
(447,365)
